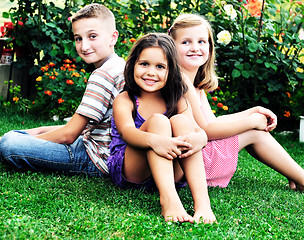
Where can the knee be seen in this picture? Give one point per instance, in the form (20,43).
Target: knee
(158,122)
(181,121)
(9,143)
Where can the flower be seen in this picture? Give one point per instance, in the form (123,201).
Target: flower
(38,79)
(220,105)
(225,108)
(224,37)
(15,99)
(48,92)
(69,82)
(254,7)
(287,114)
(60,100)
(7,29)
(300,70)
(132,40)
(214,98)
(230,11)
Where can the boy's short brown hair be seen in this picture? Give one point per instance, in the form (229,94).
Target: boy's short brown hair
(95,10)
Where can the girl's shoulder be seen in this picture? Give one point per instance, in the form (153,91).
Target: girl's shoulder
(123,98)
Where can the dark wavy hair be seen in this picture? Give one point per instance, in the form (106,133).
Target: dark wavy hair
(174,88)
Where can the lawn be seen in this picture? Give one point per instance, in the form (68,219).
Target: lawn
(257,204)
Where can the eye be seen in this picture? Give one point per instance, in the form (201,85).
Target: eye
(92,36)
(159,66)
(185,42)
(144,64)
(78,39)
(202,41)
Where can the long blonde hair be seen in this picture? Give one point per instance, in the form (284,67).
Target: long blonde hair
(206,77)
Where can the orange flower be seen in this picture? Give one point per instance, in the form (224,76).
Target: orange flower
(288,94)
(82,70)
(254,7)
(225,108)
(48,92)
(287,114)
(69,82)
(60,100)
(67,61)
(214,99)
(51,64)
(15,99)
(39,79)
(132,40)
(220,105)
(124,41)
(53,77)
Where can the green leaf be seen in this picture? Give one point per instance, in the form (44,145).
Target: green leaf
(5,15)
(236,73)
(265,100)
(253,47)
(246,74)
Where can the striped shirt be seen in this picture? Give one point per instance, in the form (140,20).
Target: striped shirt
(103,86)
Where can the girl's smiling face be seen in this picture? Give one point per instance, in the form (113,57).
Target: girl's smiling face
(151,69)
(193,46)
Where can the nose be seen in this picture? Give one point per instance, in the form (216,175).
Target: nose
(150,72)
(85,45)
(194,47)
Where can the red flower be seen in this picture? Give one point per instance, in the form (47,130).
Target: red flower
(220,105)
(48,92)
(51,64)
(60,100)
(132,40)
(214,99)
(69,82)
(287,114)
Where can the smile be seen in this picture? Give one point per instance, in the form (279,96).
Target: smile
(150,81)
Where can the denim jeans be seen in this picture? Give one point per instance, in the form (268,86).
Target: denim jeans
(22,151)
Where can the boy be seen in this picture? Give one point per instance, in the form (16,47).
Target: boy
(64,148)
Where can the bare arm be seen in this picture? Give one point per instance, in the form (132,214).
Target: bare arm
(68,133)
(226,126)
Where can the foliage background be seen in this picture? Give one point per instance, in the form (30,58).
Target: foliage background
(260,65)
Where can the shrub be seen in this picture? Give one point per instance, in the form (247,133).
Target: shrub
(60,89)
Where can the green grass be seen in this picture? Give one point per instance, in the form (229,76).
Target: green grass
(257,204)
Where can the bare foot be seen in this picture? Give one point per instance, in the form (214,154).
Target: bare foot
(204,216)
(173,210)
(295,186)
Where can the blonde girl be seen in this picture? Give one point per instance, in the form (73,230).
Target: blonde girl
(227,134)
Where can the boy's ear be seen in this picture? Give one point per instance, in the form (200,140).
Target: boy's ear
(114,38)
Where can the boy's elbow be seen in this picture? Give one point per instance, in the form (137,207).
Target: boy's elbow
(68,138)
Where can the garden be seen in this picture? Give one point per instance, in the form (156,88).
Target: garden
(260,61)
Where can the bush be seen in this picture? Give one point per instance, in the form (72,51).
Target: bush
(60,89)
(259,44)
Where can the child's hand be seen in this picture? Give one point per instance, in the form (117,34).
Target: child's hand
(271,118)
(259,121)
(198,140)
(169,147)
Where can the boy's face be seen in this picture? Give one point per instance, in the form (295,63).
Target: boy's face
(94,41)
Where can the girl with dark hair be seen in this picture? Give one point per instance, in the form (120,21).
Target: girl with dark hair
(155,140)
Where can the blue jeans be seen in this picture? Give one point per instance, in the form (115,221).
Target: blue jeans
(22,151)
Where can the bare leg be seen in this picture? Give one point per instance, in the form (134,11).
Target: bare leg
(262,146)
(193,167)
(136,169)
